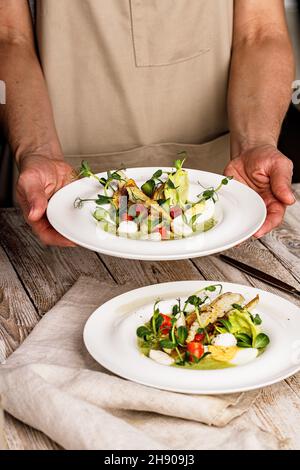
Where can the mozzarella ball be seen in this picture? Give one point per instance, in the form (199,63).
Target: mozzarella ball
(155,237)
(243,356)
(205,211)
(208,213)
(161,357)
(128,226)
(180,228)
(180,320)
(226,340)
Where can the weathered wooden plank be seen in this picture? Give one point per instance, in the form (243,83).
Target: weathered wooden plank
(21,437)
(284,242)
(277,411)
(254,254)
(46,272)
(150,272)
(17,314)
(17,318)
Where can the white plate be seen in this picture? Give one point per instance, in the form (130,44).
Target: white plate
(110,337)
(240,213)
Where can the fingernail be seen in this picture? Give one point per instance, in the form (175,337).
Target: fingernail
(31,212)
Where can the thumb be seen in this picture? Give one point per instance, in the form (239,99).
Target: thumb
(281,181)
(37,204)
(33,197)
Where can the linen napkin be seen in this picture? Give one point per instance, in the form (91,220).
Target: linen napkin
(52,384)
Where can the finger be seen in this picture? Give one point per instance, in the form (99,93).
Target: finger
(48,235)
(275,214)
(33,201)
(71,176)
(232,171)
(38,204)
(281,181)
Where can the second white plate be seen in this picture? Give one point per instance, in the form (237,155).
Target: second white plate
(110,337)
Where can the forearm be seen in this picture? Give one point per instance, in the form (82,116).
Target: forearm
(260,88)
(27,117)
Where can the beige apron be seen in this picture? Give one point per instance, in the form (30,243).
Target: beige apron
(135,81)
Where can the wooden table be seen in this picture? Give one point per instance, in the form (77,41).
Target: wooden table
(33,278)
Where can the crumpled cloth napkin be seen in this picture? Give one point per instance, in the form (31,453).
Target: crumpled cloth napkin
(52,384)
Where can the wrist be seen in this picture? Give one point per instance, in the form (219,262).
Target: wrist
(48,151)
(241,143)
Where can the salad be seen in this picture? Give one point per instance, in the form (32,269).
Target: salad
(158,210)
(208,330)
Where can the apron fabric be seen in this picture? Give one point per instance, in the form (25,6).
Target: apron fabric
(132,82)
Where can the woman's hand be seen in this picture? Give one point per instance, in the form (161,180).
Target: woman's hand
(40,177)
(269,173)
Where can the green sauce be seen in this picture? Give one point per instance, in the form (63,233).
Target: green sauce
(208,363)
(205,227)
(209,224)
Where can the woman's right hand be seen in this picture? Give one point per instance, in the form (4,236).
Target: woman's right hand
(40,177)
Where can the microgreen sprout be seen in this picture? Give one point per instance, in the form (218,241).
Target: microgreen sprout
(197,301)
(179,163)
(212,193)
(85,171)
(100,201)
(155,317)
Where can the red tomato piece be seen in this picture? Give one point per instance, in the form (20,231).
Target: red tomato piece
(163,232)
(199,337)
(126,217)
(196,350)
(140,209)
(166,324)
(175,211)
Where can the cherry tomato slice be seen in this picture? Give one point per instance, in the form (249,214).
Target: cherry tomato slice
(175,211)
(166,324)
(126,217)
(196,350)
(137,210)
(199,337)
(140,209)
(163,232)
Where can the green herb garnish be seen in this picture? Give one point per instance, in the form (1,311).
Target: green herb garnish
(261,341)
(211,193)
